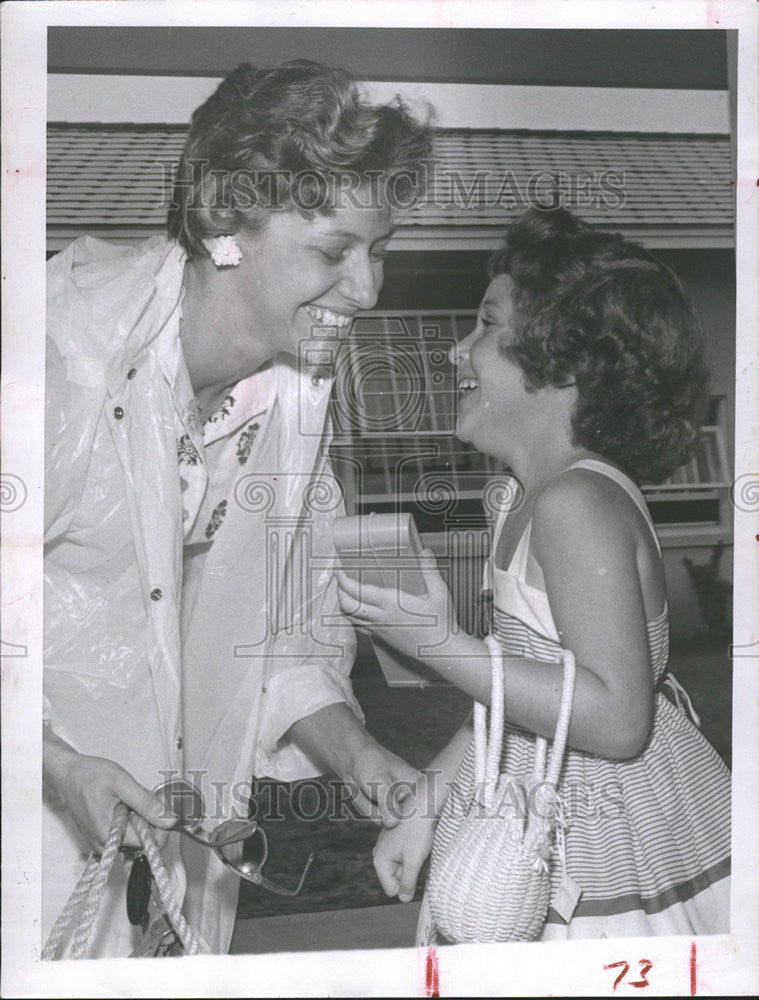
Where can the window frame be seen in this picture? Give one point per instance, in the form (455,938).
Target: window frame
(685,486)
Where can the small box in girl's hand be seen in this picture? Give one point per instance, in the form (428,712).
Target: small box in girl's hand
(383,550)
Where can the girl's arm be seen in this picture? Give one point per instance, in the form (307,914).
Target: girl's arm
(584,540)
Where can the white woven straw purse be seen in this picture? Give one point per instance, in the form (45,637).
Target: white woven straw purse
(491,881)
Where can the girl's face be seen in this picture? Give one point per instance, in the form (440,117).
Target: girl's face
(301,275)
(494,400)
(492,387)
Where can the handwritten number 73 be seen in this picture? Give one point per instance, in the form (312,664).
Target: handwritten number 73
(644,966)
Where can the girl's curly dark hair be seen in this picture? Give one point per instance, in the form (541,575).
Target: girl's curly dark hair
(292,136)
(593,308)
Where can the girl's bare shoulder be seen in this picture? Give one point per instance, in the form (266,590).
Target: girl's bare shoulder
(582,506)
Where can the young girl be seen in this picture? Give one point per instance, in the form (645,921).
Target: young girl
(584,374)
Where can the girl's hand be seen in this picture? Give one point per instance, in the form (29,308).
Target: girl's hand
(401,852)
(412,624)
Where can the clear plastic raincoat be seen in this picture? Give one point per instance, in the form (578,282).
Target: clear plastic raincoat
(190,610)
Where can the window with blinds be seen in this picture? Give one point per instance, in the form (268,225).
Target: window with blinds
(697,493)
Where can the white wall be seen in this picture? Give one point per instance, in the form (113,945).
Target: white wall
(80,97)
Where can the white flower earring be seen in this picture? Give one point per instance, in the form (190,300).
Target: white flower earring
(225,251)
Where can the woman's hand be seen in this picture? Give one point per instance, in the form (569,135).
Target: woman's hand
(90,788)
(412,624)
(378,779)
(381,782)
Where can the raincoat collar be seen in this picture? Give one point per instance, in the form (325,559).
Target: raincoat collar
(156,297)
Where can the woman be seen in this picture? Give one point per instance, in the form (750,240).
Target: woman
(190,615)
(585,376)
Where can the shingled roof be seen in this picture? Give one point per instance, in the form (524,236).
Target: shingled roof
(667,189)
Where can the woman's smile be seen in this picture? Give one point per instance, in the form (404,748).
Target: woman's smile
(325,317)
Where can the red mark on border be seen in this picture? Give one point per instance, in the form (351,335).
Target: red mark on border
(624,966)
(432,973)
(693,968)
(644,967)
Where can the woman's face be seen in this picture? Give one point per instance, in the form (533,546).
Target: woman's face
(301,275)
(493,397)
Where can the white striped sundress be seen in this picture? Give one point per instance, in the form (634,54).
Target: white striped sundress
(649,838)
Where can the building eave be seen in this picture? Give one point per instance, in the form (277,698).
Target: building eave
(434,238)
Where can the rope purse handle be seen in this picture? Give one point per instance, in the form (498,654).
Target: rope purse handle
(90,888)
(490,875)
(487,752)
(562,723)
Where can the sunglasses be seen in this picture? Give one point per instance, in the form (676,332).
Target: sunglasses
(240,844)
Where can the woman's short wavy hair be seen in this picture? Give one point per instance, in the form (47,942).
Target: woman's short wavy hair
(299,135)
(593,308)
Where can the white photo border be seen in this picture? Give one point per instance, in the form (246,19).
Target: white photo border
(725,964)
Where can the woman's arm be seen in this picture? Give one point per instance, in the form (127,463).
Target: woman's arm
(341,743)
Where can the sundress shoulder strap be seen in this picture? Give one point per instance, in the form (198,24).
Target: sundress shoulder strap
(625,483)
(519,558)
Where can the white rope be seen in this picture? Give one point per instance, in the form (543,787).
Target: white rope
(480,745)
(682,698)
(493,757)
(89,890)
(192,942)
(562,725)
(75,900)
(487,747)
(80,946)
(539,764)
